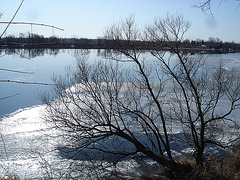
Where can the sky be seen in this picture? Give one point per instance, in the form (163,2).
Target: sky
(90,18)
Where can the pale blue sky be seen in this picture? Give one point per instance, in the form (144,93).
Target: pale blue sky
(89,18)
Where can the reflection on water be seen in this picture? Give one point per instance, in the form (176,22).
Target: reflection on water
(41,64)
(35,52)
(30,53)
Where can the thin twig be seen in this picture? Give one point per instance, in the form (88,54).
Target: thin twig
(22,82)
(31,23)
(4,146)
(22,55)
(9,96)
(3,55)
(23,72)
(11,19)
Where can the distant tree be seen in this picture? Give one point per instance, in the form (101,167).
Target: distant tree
(53,39)
(212,40)
(214,43)
(218,40)
(186,42)
(132,109)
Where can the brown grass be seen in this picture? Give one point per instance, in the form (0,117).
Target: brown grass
(214,168)
(237,156)
(10,177)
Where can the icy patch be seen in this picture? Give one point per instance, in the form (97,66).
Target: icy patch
(25,143)
(23,121)
(28,149)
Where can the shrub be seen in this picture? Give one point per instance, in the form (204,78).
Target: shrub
(237,156)
(213,168)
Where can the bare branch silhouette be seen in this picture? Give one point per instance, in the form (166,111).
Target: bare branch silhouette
(11,19)
(206,6)
(36,24)
(135,110)
(9,96)
(23,82)
(23,72)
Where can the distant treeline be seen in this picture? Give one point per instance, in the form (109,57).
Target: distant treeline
(27,41)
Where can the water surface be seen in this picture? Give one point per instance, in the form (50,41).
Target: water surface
(40,66)
(27,145)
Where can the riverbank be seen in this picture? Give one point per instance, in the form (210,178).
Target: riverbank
(33,41)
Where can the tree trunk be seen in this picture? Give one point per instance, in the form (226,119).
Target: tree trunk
(199,157)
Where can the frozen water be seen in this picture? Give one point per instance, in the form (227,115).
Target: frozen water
(28,147)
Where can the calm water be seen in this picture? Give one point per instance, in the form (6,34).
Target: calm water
(42,65)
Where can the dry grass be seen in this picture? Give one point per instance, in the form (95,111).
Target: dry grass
(10,177)
(213,169)
(217,168)
(237,156)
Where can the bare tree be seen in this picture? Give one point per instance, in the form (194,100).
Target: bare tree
(130,105)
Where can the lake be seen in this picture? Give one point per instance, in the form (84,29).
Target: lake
(40,65)
(27,145)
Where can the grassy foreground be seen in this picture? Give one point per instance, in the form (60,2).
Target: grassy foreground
(213,168)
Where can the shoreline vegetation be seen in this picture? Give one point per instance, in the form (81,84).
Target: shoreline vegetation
(35,41)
